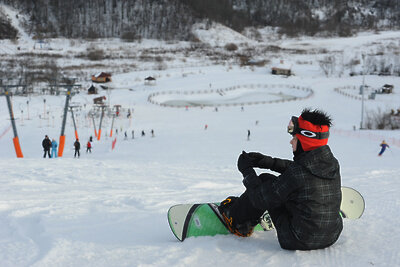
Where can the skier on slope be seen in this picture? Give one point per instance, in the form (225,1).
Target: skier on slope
(46,144)
(89,147)
(54,148)
(384,145)
(77,147)
(304,200)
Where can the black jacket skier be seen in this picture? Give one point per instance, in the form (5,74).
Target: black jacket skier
(304,200)
(77,146)
(46,144)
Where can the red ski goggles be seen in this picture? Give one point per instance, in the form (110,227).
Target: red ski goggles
(307,129)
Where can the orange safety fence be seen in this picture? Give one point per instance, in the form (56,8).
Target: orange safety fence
(5,131)
(367,135)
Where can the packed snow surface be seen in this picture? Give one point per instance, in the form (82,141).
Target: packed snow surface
(109,207)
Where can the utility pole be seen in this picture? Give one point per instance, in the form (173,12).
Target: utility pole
(64,121)
(17,146)
(94,125)
(101,121)
(362,92)
(112,125)
(362,103)
(27,103)
(71,108)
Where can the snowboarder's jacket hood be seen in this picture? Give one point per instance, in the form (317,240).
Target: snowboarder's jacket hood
(320,163)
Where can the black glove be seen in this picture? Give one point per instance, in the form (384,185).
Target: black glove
(244,164)
(261,161)
(245,167)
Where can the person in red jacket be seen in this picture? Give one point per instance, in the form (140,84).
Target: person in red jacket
(89,147)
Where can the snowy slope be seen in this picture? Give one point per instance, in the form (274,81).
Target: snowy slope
(108,208)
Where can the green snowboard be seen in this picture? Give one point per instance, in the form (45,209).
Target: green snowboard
(203,219)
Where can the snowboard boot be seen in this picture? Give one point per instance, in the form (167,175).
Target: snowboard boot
(240,229)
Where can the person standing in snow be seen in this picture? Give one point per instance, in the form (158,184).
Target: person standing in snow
(248,135)
(88,147)
(54,148)
(384,145)
(303,201)
(46,144)
(77,147)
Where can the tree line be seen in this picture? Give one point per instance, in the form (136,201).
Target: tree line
(173,19)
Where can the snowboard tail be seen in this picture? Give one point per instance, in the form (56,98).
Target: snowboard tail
(204,219)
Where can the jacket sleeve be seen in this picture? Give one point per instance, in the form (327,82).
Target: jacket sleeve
(280,165)
(273,193)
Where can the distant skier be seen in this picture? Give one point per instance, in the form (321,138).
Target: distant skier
(133,134)
(54,148)
(89,147)
(152,133)
(384,145)
(46,144)
(91,139)
(248,135)
(125,135)
(143,134)
(77,146)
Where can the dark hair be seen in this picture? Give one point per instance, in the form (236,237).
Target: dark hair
(316,117)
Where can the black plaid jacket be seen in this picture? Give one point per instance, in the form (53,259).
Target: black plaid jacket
(308,191)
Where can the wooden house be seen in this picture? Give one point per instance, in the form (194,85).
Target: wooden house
(282,69)
(150,81)
(92,90)
(387,89)
(99,100)
(101,77)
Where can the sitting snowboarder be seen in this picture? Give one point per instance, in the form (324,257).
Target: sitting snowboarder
(304,200)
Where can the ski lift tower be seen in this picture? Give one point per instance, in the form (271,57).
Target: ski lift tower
(67,99)
(71,109)
(17,145)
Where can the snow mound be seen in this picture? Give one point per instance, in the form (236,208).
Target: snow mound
(16,20)
(218,35)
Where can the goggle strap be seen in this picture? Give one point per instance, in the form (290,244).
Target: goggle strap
(314,135)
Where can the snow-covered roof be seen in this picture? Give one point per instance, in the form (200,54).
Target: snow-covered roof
(283,65)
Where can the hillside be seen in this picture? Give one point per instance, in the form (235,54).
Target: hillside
(172,20)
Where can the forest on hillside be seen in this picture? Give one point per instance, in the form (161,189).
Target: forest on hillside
(173,19)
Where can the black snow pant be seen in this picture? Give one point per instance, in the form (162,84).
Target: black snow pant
(242,210)
(77,153)
(46,151)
